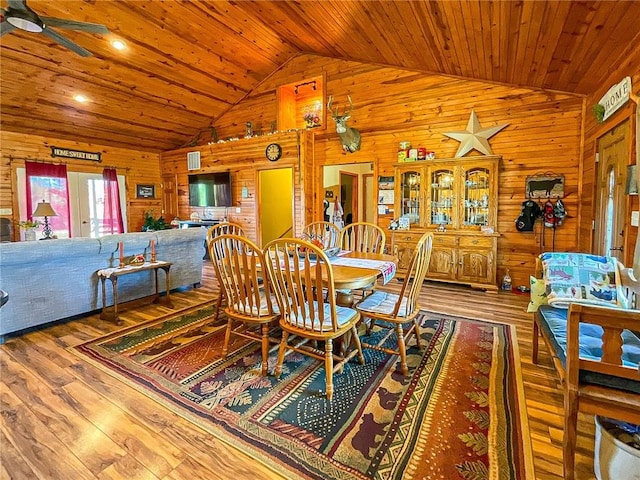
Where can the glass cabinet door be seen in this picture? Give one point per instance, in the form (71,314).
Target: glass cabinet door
(442,209)
(410,196)
(476,197)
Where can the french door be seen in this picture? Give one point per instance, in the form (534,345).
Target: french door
(613,153)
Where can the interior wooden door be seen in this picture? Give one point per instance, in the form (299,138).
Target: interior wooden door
(613,153)
(169,197)
(349,196)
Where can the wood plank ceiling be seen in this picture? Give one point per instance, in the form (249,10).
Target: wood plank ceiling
(188,62)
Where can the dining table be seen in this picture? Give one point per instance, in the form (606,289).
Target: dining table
(354,270)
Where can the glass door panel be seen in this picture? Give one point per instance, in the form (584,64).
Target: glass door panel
(410,197)
(476,197)
(443,200)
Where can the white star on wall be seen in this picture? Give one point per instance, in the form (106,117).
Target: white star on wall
(474,137)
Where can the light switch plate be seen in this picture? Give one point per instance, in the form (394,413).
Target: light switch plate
(635,218)
(237,209)
(5,211)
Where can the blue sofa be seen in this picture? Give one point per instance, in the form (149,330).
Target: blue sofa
(50,280)
(596,352)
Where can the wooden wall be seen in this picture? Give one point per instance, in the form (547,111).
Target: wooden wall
(393,105)
(593,131)
(138,167)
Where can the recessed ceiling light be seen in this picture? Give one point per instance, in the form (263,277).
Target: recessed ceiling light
(80,98)
(118,44)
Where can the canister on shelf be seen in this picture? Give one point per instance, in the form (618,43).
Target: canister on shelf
(422,153)
(402,155)
(413,153)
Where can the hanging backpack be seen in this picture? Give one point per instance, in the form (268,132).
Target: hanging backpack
(527,218)
(548,215)
(559,212)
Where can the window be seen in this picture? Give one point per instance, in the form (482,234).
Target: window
(86,202)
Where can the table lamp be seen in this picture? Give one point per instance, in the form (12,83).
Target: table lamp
(44,210)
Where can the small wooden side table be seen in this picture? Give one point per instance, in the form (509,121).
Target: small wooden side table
(115,272)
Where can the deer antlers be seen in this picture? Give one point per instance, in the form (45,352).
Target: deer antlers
(334,113)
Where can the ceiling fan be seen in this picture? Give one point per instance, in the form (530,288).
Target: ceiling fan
(18,15)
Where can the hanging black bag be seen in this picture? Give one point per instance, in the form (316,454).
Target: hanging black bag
(527,218)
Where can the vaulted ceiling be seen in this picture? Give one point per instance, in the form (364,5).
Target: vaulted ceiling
(188,62)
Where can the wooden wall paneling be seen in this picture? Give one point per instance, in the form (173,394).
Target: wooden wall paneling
(393,105)
(139,167)
(243,158)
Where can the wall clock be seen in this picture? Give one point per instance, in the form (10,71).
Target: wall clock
(273,152)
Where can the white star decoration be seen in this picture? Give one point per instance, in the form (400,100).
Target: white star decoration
(474,137)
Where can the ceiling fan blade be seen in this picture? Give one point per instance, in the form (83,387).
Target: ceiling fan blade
(17,4)
(65,42)
(5,27)
(74,25)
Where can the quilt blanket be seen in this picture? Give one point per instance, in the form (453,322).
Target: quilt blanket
(582,278)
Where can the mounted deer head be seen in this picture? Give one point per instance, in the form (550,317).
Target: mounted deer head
(350,137)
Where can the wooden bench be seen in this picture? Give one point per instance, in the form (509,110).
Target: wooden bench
(603,386)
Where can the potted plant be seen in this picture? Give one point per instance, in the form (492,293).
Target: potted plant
(151,224)
(29,227)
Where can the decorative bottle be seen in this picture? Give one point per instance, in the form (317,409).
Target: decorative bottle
(506,281)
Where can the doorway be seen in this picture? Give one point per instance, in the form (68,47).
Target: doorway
(275,204)
(613,153)
(352,184)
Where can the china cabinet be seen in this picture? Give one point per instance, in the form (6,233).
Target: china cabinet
(457,200)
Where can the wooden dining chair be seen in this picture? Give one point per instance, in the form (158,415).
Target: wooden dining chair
(328,233)
(222,228)
(237,262)
(298,272)
(363,237)
(399,309)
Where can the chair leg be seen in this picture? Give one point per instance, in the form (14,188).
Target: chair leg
(328,366)
(356,339)
(227,337)
(281,352)
(265,348)
(416,332)
(218,304)
(534,346)
(570,433)
(402,350)
(370,325)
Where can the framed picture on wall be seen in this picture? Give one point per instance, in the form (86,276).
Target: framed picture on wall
(145,191)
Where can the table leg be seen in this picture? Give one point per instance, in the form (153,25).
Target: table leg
(157,297)
(114,283)
(103,314)
(167,284)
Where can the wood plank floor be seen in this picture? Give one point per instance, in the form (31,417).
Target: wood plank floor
(64,419)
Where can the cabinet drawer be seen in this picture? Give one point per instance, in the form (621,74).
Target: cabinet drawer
(476,242)
(444,240)
(406,237)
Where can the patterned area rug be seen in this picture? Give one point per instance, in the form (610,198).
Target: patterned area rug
(459,414)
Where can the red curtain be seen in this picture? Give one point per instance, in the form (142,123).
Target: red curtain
(48,182)
(112,221)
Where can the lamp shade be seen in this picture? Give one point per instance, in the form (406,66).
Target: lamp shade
(44,210)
